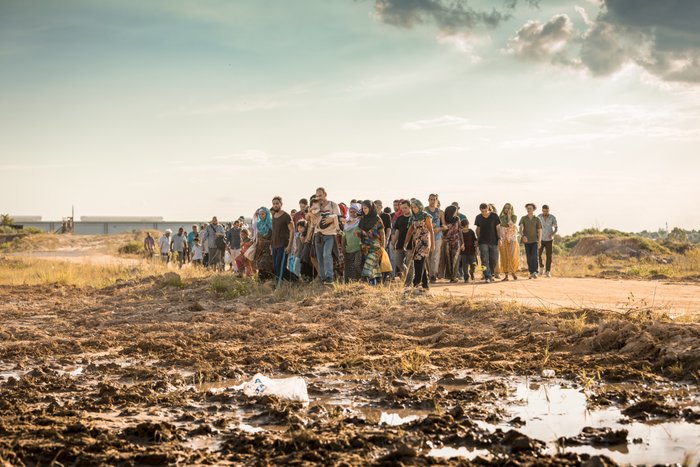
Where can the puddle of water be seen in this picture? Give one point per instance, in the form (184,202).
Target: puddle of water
(5,375)
(462,452)
(394,419)
(250,428)
(550,408)
(552,411)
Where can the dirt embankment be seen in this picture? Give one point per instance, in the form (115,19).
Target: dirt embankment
(105,376)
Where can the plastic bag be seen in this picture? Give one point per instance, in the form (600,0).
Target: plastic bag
(227,257)
(385,265)
(294,265)
(250,252)
(293,389)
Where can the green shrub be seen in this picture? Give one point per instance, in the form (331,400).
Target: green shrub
(171,279)
(231,287)
(132,248)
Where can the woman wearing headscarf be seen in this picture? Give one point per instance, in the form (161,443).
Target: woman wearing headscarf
(508,248)
(263,244)
(452,245)
(352,245)
(371,233)
(421,232)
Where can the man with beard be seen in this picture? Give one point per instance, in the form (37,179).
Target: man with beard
(282,235)
(327,227)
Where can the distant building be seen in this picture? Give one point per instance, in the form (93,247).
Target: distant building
(98,225)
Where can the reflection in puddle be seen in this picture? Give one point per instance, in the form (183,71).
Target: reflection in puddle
(449,453)
(394,419)
(551,411)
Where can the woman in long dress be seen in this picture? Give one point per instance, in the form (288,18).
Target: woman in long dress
(421,233)
(452,245)
(263,244)
(372,235)
(508,248)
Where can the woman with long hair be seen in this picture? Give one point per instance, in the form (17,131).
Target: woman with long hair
(371,233)
(452,245)
(508,248)
(421,232)
(263,244)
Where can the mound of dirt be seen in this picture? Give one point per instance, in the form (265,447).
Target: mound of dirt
(625,247)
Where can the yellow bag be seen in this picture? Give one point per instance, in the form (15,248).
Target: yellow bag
(385,263)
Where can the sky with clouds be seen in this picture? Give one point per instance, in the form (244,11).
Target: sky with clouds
(190,109)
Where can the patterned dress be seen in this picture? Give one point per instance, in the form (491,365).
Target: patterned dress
(263,257)
(421,239)
(451,249)
(372,251)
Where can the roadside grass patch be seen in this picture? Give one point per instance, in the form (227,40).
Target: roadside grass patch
(231,287)
(133,247)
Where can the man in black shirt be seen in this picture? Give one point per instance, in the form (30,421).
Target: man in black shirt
(282,236)
(398,240)
(487,232)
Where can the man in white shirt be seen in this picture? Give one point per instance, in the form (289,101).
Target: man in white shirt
(164,243)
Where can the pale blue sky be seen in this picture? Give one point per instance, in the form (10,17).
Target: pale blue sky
(192,109)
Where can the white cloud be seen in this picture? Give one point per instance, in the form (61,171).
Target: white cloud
(544,42)
(584,15)
(437,151)
(464,43)
(443,121)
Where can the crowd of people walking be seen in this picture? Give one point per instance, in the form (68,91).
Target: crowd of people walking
(363,241)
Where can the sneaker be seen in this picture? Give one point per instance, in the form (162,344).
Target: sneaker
(327,282)
(548,274)
(531,276)
(433,279)
(541,269)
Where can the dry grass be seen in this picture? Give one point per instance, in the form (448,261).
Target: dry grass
(30,271)
(679,267)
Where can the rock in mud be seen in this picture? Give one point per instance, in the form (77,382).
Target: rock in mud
(596,437)
(514,441)
(153,432)
(647,409)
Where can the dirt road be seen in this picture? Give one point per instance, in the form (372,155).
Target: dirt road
(674,298)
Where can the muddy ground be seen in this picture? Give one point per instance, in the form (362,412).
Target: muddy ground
(132,374)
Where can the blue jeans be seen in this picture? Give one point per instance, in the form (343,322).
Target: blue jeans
(489,258)
(324,255)
(278,261)
(531,254)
